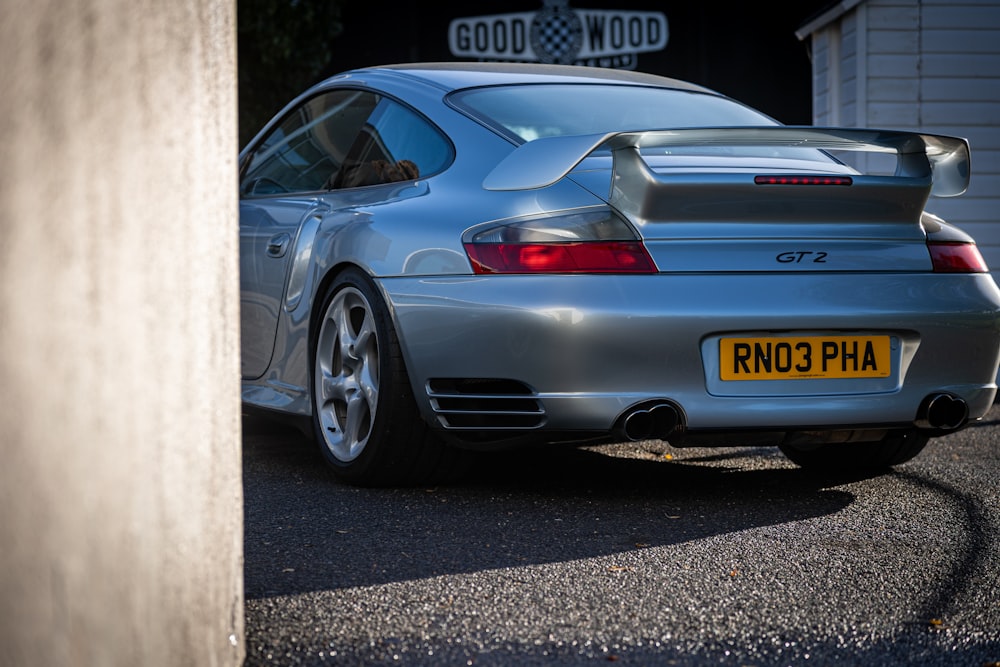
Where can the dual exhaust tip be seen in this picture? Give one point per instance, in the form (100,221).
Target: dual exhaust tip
(650,421)
(658,420)
(942,412)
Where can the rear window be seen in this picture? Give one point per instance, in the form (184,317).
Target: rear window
(532,111)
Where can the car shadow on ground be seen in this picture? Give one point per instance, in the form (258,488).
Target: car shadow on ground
(305,531)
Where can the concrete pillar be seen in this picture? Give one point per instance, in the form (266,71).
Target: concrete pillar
(120,480)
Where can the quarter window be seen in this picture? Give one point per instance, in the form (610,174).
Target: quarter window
(342,139)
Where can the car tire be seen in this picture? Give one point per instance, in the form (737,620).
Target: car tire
(895,448)
(364,416)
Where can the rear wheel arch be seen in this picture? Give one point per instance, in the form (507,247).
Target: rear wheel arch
(365,418)
(319,295)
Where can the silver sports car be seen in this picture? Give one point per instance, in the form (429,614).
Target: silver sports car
(443,257)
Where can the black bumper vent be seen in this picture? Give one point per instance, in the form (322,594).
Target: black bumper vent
(484,404)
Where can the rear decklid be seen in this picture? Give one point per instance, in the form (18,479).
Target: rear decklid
(756,198)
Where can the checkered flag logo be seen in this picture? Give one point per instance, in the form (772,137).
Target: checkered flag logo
(556,33)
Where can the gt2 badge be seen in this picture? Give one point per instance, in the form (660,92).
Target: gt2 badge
(800,256)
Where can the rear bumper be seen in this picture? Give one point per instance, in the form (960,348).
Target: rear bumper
(587,348)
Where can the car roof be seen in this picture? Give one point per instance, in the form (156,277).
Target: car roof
(455,75)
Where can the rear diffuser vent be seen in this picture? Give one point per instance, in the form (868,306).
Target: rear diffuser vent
(484,404)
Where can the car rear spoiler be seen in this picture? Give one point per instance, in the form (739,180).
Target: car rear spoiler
(943,160)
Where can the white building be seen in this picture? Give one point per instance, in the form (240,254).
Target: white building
(932,65)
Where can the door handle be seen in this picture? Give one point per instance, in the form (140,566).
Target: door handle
(278,245)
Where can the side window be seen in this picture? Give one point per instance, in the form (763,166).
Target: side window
(395,144)
(307,150)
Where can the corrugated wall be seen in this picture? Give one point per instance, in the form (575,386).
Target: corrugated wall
(932,65)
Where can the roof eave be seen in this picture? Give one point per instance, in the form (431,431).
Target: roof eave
(826,16)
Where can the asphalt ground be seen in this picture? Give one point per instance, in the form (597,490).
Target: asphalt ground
(632,554)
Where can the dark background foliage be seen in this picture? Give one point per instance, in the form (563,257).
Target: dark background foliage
(283,47)
(748,50)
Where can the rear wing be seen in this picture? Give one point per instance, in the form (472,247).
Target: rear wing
(941,160)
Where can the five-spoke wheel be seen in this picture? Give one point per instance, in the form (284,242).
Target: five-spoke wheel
(364,415)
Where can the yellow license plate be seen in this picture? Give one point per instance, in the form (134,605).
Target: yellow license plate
(804,357)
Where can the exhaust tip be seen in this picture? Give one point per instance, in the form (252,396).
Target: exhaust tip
(943,412)
(650,421)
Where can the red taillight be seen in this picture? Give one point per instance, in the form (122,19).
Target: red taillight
(582,257)
(780,179)
(956,258)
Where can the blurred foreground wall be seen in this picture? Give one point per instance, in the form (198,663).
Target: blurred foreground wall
(120,482)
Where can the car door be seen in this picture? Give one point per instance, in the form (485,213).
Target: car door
(281,180)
